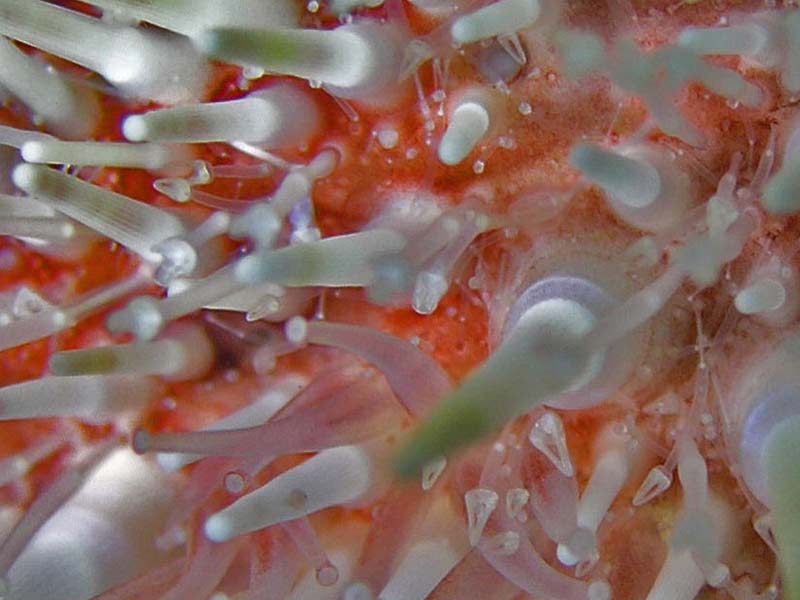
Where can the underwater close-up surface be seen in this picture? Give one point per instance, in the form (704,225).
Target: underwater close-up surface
(399,300)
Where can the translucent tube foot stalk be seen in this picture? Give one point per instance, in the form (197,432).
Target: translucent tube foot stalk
(191,253)
(49,322)
(610,472)
(263,221)
(145,316)
(20,463)
(636,310)
(404,365)
(432,280)
(256,413)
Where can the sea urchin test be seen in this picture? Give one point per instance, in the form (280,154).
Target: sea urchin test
(399,300)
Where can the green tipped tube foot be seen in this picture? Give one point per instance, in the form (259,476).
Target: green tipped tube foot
(782,458)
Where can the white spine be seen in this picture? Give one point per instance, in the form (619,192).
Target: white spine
(498,18)
(135,225)
(332,477)
(190,17)
(89,397)
(279,116)
(148,64)
(469,122)
(103,154)
(66,109)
